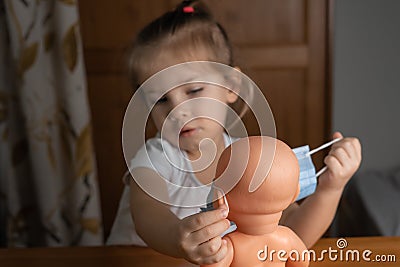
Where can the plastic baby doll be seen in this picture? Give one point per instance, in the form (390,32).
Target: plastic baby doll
(259,240)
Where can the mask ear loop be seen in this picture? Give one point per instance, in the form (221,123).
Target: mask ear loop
(321,171)
(223,195)
(320,148)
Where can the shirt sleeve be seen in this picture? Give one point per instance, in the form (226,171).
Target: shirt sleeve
(151,156)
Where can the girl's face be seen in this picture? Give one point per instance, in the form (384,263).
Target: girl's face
(190,113)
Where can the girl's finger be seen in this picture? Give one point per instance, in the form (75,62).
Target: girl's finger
(337,135)
(209,248)
(339,149)
(333,164)
(342,156)
(219,255)
(210,231)
(198,221)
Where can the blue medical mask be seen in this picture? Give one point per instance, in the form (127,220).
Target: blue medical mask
(308,175)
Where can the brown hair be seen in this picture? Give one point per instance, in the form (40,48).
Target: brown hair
(187,33)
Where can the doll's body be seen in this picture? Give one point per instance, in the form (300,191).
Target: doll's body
(259,240)
(262,250)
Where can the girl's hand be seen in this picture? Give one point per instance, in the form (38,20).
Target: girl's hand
(199,236)
(343,160)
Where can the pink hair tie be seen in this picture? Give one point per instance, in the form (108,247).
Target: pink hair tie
(188,9)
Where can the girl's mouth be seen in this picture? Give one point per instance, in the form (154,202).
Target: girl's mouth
(186,132)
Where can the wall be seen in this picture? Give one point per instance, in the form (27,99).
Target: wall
(366,78)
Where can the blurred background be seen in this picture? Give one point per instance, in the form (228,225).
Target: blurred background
(323,65)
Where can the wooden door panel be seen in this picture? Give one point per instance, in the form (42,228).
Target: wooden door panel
(262,22)
(285,92)
(113,24)
(289,56)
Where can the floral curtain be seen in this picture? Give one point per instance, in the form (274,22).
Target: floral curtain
(48,182)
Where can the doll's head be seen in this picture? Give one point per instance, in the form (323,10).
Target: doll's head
(280,186)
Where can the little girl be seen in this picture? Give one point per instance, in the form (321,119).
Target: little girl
(189,33)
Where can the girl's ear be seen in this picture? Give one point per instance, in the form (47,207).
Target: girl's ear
(232,96)
(235,88)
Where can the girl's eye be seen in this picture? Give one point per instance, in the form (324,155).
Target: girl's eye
(196,90)
(162,100)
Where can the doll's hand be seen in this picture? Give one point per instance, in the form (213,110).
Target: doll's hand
(199,236)
(343,161)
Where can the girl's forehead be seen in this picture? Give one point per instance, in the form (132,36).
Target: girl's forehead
(165,57)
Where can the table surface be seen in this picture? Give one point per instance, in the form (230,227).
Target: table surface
(115,256)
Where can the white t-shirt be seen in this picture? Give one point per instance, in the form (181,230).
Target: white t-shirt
(153,155)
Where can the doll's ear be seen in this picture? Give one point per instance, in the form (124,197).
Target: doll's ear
(297,194)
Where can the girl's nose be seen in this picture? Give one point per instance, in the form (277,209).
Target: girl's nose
(181,114)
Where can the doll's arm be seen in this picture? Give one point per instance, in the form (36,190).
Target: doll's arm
(298,245)
(225,262)
(312,218)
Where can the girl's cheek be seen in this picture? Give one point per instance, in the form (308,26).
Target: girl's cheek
(157,119)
